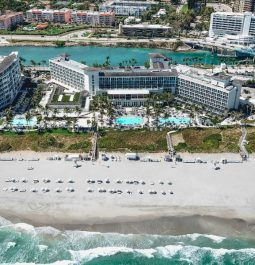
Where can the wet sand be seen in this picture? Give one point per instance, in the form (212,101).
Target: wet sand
(204,200)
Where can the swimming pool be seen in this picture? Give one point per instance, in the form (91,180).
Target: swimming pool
(129,120)
(23,122)
(175,120)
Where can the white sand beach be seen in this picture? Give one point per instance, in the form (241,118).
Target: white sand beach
(198,190)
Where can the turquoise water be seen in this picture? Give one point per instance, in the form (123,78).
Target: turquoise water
(45,245)
(129,120)
(94,54)
(23,122)
(181,120)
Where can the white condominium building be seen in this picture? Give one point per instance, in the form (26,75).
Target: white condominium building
(126,8)
(215,93)
(10,78)
(68,73)
(228,23)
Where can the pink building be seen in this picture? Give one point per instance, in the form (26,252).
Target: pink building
(10,19)
(49,15)
(93,18)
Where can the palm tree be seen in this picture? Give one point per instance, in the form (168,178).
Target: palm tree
(28,117)
(133,61)
(33,63)
(148,112)
(39,118)
(47,110)
(78,110)
(9,115)
(167,98)
(55,111)
(66,110)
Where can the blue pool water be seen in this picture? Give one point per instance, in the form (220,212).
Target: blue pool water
(182,120)
(130,120)
(24,122)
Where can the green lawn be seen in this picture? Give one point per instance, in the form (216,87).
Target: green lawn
(65,98)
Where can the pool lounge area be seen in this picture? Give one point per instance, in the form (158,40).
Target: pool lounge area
(22,122)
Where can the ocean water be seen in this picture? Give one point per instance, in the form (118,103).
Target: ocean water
(25,244)
(96,54)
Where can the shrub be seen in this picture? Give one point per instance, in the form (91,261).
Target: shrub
(5,147)
(80,145)
(50,141)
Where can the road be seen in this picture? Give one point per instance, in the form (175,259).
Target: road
(77,37)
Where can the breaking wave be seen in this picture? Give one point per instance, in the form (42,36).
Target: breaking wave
(25,244)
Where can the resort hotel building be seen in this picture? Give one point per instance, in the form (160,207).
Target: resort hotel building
(239,28)
(10,79)
(216,93)
(126,7)
(130,86)
(68,73)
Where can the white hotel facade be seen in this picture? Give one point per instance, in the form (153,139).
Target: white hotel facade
(238,28)
(131,86)
(10,78)
(215,93)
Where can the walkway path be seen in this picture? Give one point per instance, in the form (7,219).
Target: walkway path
(170,146)
(242,142)
(94,147)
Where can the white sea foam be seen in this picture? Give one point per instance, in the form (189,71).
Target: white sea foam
(11,245)
(90,254)
(4,222)
(60,262)
(169,251)
(195,236)
(148,253)
(42,247)
(47,230)
(216,239)
(192,253)
(24,227)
